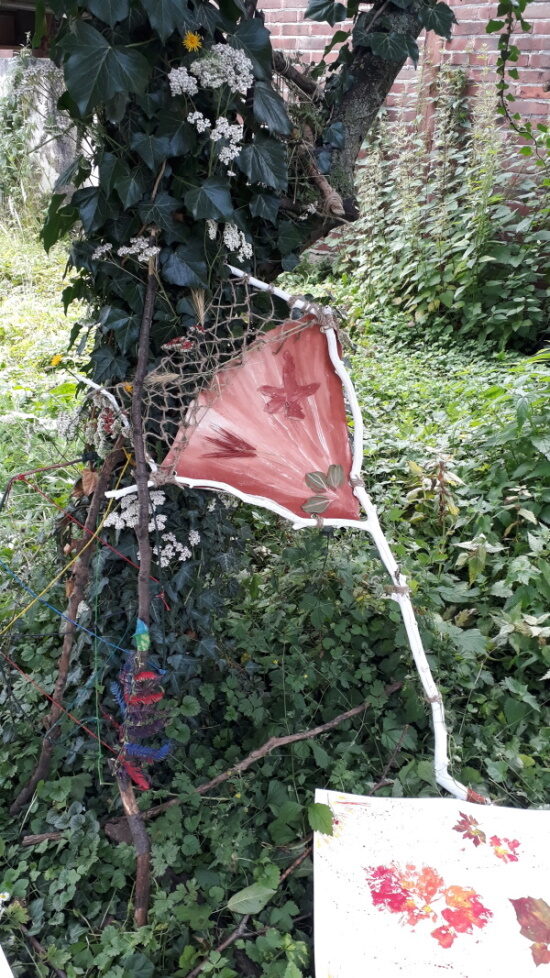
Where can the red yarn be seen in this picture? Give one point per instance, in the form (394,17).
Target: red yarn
(141,677)
(145,700)
(136,775)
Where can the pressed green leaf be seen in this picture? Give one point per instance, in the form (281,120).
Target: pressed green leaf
(326,10)
(439,18)
(109,11)
(166,16)
(252,899)
(254,39)
(210,201)
(95,71)
(264,161)
(316,505)
(317,481)
(185,266)
(320,818)
(335,476)
(270,109)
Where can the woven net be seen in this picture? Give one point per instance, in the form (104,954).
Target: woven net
(235,318)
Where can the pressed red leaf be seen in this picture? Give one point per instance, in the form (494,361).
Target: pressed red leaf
(534,918)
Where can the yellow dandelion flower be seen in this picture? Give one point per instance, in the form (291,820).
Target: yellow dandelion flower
(56,360)
(192,41)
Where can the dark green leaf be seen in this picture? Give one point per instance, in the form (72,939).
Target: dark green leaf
(391,46)
(59,219)
(40,24)
(289,237)
(107,365)
(181,136)
(439,18)
(270,109)
(93,207)
(254,39)
(263,205)
(95,71)
(129,185)
(160,211)
(320,818)
(152,149)
(326,10)
(166,16)
(189,707)
(494,25)
(264,161)
(138,966)
(109,11)
(211,201)
(335,135)
(185,266)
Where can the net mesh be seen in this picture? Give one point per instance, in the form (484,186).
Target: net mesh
(235,318)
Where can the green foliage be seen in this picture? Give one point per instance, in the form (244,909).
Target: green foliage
(450,243)
(18,171)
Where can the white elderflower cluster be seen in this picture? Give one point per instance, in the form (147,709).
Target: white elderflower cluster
(181,82)
(140,248)
(235,240)
(233,134)
(224,65)
(199,120)
(194,538)
(101,251)
(128,515)
(170,549)
(211,229)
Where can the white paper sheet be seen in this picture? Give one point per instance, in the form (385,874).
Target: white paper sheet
(430,888)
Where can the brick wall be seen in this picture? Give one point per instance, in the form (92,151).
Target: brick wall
(470,47)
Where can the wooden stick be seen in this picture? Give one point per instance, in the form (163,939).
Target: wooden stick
(35,840)
(134,818)
(80,580)
(117,830)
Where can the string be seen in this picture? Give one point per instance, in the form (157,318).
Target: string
(58,705)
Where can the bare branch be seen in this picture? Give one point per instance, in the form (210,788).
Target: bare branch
(284,67)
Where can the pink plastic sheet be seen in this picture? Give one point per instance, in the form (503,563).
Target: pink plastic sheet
(265,425)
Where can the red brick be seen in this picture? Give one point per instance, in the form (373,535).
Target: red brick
(539,61)
(281,17)
(534,91)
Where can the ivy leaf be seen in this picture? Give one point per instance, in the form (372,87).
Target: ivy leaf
(254,39)
(316,505)
(263,205)
(439,18)
(270,109)
(391,46)
(335,135)
(185,266)
(108,366)
(317,481)
(326,10)
(130,186)
(252,899)
(320,818)
(335,476)
(93,206)
(181,136)
(166,16)
(210,201)
(152,149)
(109,11)
(60,218)
(95,71)
(494,25)
(160,210)
(264,161)
(289,237)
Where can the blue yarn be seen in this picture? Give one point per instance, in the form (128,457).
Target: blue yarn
(117,693)
(149,753)
(111,645)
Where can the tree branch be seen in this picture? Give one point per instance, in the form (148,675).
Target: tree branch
(284,67)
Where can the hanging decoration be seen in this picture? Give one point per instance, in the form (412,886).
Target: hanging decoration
(255,404)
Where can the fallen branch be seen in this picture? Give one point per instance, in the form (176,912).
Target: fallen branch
(35,840)
(80,577)
(117,830)
(41,951)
